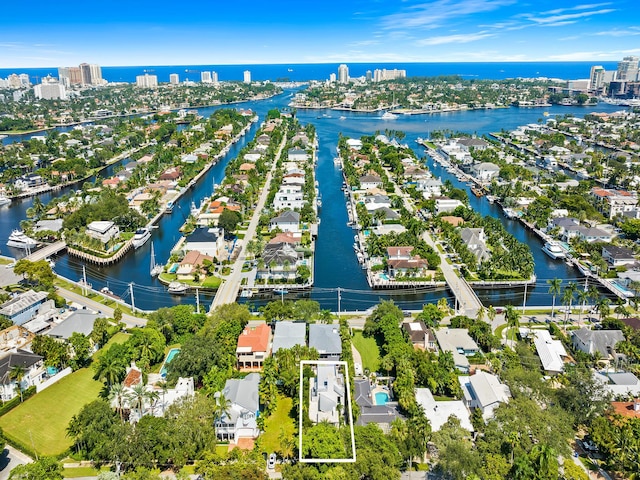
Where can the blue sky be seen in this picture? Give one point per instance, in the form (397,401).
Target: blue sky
(140,32)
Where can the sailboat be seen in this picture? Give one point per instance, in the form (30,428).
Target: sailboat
(155,269)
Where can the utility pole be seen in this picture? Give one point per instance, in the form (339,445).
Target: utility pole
(197,301)
(84,280)
(339,298)
(133,303)
(524,299)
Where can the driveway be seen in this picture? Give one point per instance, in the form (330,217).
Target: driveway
(10,459)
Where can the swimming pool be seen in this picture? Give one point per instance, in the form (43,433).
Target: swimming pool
(172,353)
(382,398)
(383,276)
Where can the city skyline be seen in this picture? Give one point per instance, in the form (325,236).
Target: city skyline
(355,31)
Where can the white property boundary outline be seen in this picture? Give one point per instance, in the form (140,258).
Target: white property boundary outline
(301,412)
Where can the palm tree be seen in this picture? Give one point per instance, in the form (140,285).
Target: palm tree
(602,304)
(545,459)
(17,373)
(583,297)
(567,299)
(555,285)
(164,387)
(118,393)
(512,316)
(491,313)
(621,308)
(221,407)
(137,395)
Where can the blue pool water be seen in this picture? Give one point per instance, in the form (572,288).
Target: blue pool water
(172,353)
(382,398)
(384,276)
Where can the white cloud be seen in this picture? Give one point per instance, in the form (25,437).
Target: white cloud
(459,38)
(620,32)
(364,43)
(543,19)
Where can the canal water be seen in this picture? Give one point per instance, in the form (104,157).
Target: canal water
(338,276)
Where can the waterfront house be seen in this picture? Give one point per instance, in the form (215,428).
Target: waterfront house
(374,202)
(207,241)
(111,182)
(460,344)
(287,221)
(240,419)
(619,384)
(551,352)
(288,335)
(485,171)
(32,366)
(325,338)
(484,391)
(420,336)
(563,224)
(592,341)
(411,267)
(288,237)
(25,306)
(438,412)
(431,187)
(300,138)
(370,181)
(471,144)
(475,241)
(618,256)
(354,143)
(194,263)
(289,196)
(386,214)
(591,234)
(254,345)
(297,155)
(280,262)
(399,253)
(327,398)
(105,231)
(370,411)
(172,173)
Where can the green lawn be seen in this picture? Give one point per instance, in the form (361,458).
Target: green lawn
(41,422)
(369,351)
(280,419)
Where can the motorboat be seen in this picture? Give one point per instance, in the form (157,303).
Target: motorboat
(18,239)
(141,237)
(554,250)
(4,200)
(169,207)
(388,116)
(178,288)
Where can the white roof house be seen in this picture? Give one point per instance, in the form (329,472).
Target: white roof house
(550,351)
(103,230)
(484,391)
(288,334)
(619,383)
(439,412)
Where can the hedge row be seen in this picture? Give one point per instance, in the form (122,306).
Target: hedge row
(14,402)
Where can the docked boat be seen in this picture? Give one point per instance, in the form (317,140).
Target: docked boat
(477,191)
(4,200)
(491,198)
(246,293)
(178,288)
(554,250)
(510,212)
(156,269)
(141,237)
(169,207)
(18,239)
(280,291)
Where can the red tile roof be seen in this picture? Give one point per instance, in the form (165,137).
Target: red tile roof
(255,337)
(625,409)
(133,378)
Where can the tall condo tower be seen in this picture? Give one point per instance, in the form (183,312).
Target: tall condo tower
(343,74)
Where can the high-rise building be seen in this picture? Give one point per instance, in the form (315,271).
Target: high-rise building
(247,76)
(628,69)
(63,76)
(205,77)
(24,80)
(174,79)
(147,81)
(96,74)
(75,76)
(214,77)
(384,74)
(332,77)
(85,70)
(50,89)
(14,81)
(343,74)
(597,77)
(369,76)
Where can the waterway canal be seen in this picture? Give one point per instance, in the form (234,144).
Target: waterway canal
(336,264)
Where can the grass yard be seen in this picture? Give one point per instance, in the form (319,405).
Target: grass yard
(41,422)
(280,419)
(369,351)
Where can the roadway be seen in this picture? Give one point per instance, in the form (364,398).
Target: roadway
(228,291)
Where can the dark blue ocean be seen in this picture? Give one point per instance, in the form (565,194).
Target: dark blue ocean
(321,71)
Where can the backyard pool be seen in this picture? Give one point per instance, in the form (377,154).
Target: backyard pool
(382,398)
(172,353)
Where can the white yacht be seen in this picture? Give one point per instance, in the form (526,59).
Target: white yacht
(388,116)
(141,237)
(18,239)
(177,288)
(4,200)
(554,250)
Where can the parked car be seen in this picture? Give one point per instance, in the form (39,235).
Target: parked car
(272,461)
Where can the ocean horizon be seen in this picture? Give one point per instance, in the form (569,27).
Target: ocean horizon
(299,72)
